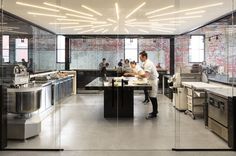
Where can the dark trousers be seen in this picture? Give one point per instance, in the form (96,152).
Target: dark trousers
(146,94)
(154,105)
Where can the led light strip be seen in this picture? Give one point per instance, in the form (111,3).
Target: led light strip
(98,13)
(126,30)
(115,28)
(84,17)
(104,30)
(67,9)
(111,20)
(150,26)
(49,15)
(117,11)
(78,20)
(136,9)
(35,6)
(174,18)
(143,30)
(186,10)
(195,12)
(158,10)
(98,30)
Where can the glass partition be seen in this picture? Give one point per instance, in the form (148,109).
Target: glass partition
(203,89)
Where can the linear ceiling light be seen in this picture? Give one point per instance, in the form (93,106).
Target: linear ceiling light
(85,31)
(104,30)
(105,25)
(126,30)
(48,15)
(158,10)
(131,20)
(163,30)
(35,6)
(68,23)
(174,18)
(67,9)
(99,22)
(117,11)
(79,26)
(78,29)
(195,12)
(111,20)
(180,11)
(136,9)
(143,30)
(98,30)
(76,20)
(98,13)
(177,22)
(150,26)
(115,28)
(84,17)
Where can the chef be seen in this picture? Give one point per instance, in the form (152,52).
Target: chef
(152,75)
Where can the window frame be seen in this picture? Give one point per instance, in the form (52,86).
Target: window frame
(60,49)
(22,49)
(129,48)
(6,49)
(204,48)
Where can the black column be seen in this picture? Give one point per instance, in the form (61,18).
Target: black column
(3,120)
(67,53)
(172,55)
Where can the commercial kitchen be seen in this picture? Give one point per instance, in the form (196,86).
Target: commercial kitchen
(55,96)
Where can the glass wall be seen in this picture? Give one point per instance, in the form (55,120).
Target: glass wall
(203,89)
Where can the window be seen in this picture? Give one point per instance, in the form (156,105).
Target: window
(196,48)
(61,49)
(21,49)
(5,48)
(131,49)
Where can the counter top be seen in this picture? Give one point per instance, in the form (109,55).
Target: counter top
(109,69)
(222,81)
(200,85)
(99,84)
(225,92)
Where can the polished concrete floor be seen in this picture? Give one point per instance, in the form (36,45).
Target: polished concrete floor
(78,124)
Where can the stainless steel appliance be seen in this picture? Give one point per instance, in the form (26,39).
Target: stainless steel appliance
(221,114)
(22,100)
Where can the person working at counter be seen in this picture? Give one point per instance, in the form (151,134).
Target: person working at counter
(102,64)
(136,70)
(152,75)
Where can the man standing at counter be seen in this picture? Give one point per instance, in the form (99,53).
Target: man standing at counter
(102,64)
(152,76)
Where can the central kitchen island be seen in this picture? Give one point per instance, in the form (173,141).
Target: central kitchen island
(118,94)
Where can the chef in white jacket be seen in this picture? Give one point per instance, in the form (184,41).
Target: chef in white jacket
(151,74)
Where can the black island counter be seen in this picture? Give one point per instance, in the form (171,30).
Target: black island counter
(118,94)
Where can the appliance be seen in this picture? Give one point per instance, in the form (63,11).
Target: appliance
(221,117)
(23,99)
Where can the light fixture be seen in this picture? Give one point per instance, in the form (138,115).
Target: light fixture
(131,20)
(38,7)
(98,13)
(126,30)
(67,9)
(158,10)
(48,15)
(174,18)
(98,22)
(136,9)
(111,20)
(104,25)
(115,28)
(143,30)
(98,30)
(78,29)
(117,11)
(195,12)
(85,31)
(177,22)
(79,26)
(186,10)
(84,17)
(68,23)
(104,30)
